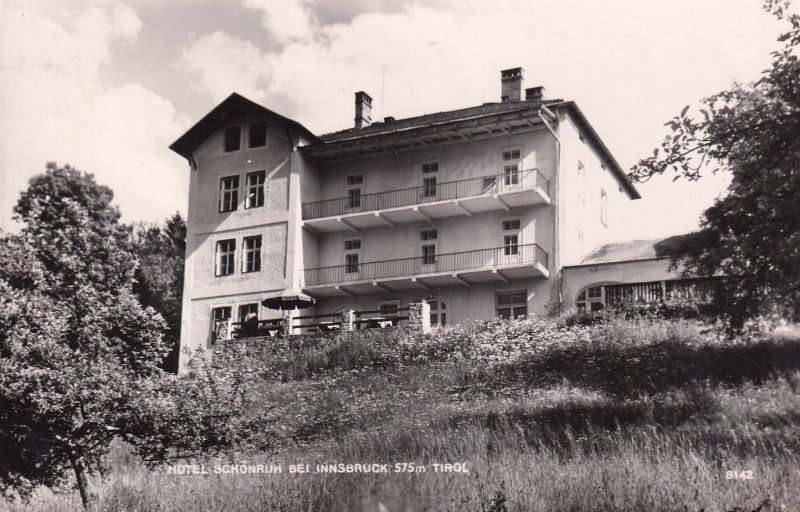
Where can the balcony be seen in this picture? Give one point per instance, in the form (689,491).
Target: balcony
(428,272)
(425,203)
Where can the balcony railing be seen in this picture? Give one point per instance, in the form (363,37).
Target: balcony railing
(498,183)
(513,255)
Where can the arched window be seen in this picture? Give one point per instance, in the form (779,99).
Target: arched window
(438,311)
(591,299)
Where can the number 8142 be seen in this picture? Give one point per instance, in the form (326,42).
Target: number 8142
(739,475)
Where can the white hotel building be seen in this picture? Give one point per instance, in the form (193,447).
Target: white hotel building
(484,211)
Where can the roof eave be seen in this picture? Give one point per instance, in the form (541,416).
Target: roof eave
(186,144)
(615,167)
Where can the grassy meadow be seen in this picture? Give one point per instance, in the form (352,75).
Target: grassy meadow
(635,415)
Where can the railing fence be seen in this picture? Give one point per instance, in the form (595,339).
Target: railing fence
(492,184)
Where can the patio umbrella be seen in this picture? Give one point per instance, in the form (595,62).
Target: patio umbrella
(288,301)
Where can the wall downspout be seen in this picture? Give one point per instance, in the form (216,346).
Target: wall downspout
(557,196)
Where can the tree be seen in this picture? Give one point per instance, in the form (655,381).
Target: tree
(751,236)
(80,356)
(159,277)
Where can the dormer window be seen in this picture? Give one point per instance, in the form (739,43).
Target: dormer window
(233,138)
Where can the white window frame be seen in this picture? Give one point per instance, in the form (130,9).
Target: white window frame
(254,191)
(429,242)
(508,233)
(511,179)
(233,199)
(513,307)
(355,187)
(358,252)
(584,301)
(429,170)
(215,321)
(438,315)
(240,311)
(230,258)
(256,252)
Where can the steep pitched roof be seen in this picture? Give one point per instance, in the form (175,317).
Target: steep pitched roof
(232,107)
(633,250)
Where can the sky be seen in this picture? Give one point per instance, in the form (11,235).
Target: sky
(107,85)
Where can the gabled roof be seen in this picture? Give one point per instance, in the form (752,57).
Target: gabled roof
(634,250)
(234,106)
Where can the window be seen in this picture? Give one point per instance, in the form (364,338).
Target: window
(429,187)
(511,236)
(258,135)
(226,250)
(581,181)
(430,167)
(438,312)
(248,312)
(219,322)
(354,190)
(511,163)
(228,193)
(252,254)
(603,207)
(389,307)
(233,137)
(428,238)
(352,255)
(512,304)
(591,299)
(429,171)
(255,189)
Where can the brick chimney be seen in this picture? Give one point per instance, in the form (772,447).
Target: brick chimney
(363,110)
(534,94)
(511,84)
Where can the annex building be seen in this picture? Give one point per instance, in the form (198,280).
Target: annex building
(484,211)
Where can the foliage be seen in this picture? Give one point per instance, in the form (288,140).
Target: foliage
(160,250)
(80,355)
(51,205)
(751,235)
(640,414)
(74,343)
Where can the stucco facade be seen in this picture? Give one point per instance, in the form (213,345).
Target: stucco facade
(461,207)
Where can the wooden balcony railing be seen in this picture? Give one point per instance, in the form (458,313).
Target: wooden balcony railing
(440,263)
(498,183)
(690,289)
(366,319)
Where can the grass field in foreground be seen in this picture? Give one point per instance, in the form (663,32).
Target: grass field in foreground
(630,415)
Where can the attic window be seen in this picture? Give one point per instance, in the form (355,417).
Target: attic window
(233,137)
(258,135)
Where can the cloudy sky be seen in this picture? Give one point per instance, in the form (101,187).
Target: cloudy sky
(107,85)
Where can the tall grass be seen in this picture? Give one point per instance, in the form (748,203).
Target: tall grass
(627,415)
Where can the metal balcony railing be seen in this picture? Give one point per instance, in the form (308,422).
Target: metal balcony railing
(497,183)
(430,264)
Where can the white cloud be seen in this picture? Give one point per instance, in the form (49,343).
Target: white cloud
(286,20)
(630,66)
(56,107)
(224,64)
